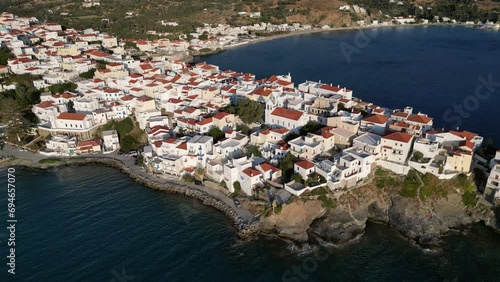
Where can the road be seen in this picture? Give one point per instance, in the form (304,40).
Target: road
(128,161)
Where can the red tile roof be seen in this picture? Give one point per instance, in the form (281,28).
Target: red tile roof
(251,172)
(144,99)
(305,164)
(330,88)
(419,119)
(204,121)
(400,114)
(71,116)
(400,137)
(378,119)
(221,115)
(45,104)
(287,113)
(268,167)
(280,130)
(182,146)
(464,134)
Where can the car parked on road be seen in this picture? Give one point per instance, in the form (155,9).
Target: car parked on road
(236,202)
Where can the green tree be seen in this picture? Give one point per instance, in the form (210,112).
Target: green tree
(12,116)
(124,126)
(286,166)
(310,126)
(131,45)
(62,87)
(417,156)
(244,129)
(250,111)
(88,74)
(216,134)
(5,55)
(297,177)
(71,107)
(237,187)
(253,150)
(204,36)
(129,143)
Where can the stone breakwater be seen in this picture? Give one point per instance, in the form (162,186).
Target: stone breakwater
(245,230)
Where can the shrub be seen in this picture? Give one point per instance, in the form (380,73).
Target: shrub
(188,178)
(326,202)
(278,209)
(125,126)
(417,156)
(469,198)
(49,161)
(88,74)
(237,187)
(129,143)
(297,177)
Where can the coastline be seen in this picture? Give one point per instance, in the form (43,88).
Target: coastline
(319,30)
(248,230)
(245,230)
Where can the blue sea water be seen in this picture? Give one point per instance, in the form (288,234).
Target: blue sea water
(430,68)
(95,224)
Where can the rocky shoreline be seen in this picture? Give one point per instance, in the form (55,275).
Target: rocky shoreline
(304,224)
(245,230)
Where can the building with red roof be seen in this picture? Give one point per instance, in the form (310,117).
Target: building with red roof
(396,147)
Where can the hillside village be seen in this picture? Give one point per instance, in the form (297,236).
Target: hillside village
(310,134)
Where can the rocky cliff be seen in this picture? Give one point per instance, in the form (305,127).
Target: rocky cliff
(423,221)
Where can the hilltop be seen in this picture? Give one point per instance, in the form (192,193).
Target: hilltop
(133,18)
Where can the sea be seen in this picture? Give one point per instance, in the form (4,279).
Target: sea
(93,223)
(451,73)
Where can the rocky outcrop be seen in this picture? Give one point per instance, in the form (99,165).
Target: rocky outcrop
(423,222)
(293,221)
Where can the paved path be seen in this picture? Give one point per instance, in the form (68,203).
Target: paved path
(128,161)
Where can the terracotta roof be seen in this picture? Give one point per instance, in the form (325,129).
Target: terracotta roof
(265,131)
(182,146)
(376,119)
(251,172)
(287,113)
(127,98)
(93,142)
(280,130)
(419,119)
(204,121)
(400,137)
(464,134)
(268,167)
(71,116)
(45,104)
(305,164)
(190,110)
(221,115)
(330,88)
(400,114)
(144,99)
(262,91)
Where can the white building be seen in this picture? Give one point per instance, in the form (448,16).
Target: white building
(73,121)
(62,145)
(110,139)
(396,147)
